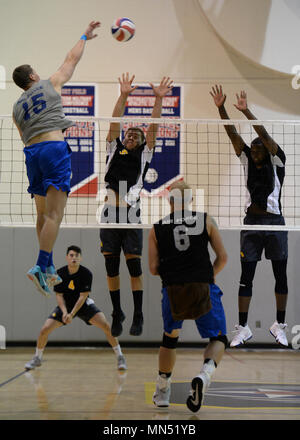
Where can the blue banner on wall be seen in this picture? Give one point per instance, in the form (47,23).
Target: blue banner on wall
(79,100)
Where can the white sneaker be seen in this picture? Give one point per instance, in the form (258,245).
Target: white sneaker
(242,335)
(35,362)
(279,332)
(161,397)
(121,363)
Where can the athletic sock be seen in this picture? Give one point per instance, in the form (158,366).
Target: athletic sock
(117,350)
(42,260)
(39,352)
(50,261)
(115,299)
(280,316)
(243,317)
(138,300)
(164,375)
(209,361)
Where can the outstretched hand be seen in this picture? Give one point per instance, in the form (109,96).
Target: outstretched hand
(218,96)
(126,84)
(90,30)
(241,101)
(164,87)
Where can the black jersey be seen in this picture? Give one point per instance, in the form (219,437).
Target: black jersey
(73,284)
(182,241)
(129,166)
(264,184)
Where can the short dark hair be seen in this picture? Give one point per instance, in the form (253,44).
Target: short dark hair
(257,141)
(139,130)
(75,249)
(21,75)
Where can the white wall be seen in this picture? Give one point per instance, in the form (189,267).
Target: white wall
(24,310)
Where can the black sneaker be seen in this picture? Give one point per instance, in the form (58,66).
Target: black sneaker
(199,385)
(116,326)
(137,324)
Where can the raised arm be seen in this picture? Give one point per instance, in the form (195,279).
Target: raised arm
(266,139)
(73,57)
(125,89)
(219,99)
(160,91)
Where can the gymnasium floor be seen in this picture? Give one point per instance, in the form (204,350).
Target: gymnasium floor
(84,384)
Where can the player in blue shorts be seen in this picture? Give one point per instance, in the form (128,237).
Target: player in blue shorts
(73,300)
(39,117)
(264,169)
(178,253)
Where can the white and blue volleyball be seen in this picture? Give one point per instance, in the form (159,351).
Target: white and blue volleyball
(123,29)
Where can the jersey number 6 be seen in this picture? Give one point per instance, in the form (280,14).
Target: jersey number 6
(182,240)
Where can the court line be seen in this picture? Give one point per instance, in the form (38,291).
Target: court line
(12,378)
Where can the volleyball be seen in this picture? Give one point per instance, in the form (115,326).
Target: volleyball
(123,29)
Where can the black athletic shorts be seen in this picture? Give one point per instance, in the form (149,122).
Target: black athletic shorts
(86,312)
(114,240)
(253,242)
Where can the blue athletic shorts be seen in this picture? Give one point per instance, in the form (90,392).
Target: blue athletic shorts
(210,325)
(275,243)
(48,163)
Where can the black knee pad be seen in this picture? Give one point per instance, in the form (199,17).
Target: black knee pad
(134,267)
(112,264)
(248,271)
(281,287)
(279,270)
(221,338)
(169,342)
(245,290)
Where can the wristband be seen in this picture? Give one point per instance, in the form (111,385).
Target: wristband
(83,37)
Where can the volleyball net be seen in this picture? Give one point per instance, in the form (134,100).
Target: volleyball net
(198,151)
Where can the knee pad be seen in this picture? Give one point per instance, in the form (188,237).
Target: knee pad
(221,338)
(112,264)
(169,342)
(134,267)
(279,270)
(281,287)
(245,290)
(248,271)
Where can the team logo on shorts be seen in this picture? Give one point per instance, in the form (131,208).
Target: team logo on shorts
(242,254)
(53,314)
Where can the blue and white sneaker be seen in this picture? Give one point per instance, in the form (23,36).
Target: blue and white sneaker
(39,279)
(52,276)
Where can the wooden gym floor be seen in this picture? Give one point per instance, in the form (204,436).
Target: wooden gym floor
(84,384)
